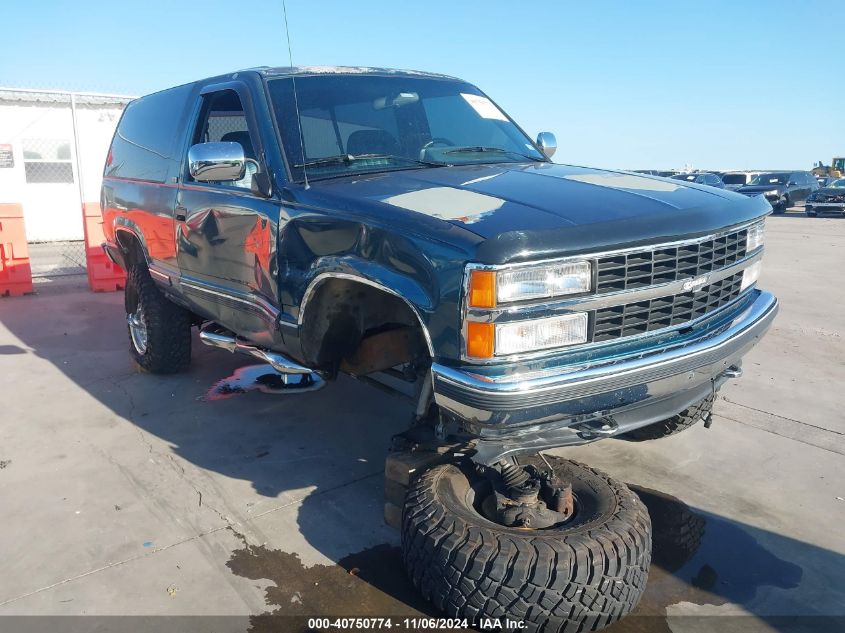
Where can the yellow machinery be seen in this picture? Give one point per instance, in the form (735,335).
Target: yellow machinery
(836,169)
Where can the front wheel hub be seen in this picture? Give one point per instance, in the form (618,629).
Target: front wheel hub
(527,497)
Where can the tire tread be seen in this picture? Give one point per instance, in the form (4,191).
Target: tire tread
(557,581)
(671,426)
(168,326)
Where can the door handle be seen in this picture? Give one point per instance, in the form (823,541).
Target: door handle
(181,213)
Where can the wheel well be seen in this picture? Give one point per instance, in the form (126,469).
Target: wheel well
(133,252)
(356,327)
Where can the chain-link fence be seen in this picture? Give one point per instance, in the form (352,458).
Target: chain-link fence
(51,260)
(52,149)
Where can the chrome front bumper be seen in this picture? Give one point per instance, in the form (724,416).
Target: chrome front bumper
(559,405)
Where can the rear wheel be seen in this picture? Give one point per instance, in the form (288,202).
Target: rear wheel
(159,330)
(582,574)
(674,425)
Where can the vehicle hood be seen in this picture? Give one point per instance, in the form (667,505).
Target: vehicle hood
(537,210)
(830,191)
(760,188)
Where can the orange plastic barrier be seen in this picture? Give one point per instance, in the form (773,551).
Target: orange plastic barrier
(103,274)
(15,271)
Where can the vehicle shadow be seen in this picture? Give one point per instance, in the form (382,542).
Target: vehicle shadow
(323,452)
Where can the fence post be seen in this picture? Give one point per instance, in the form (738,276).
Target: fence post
(103,274)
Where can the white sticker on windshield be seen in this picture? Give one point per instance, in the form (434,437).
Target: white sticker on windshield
(484,107)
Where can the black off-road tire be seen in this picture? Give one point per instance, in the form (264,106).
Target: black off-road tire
(580,576)
(671,426)
(781,207)
(168,326)
(677,531)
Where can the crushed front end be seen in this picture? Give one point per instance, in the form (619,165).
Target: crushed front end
(571,350)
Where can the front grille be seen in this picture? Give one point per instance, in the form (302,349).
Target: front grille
(666,264)
(655,314)
(830,198)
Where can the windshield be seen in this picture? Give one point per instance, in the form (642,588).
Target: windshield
(733,179)
(770,179)
(354,124)
(838,184)
(838,164)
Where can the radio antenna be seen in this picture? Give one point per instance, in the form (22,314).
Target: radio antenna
(295,98)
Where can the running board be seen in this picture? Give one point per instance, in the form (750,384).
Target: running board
(280,363)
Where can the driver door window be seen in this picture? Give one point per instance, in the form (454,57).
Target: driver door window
(222,119)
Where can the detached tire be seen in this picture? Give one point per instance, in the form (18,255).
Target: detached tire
(159,330)
(674,425)
(582,575)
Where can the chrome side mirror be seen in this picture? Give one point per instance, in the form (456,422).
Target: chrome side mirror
(213,162)
(547,143)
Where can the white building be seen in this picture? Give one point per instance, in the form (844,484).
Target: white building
(41,167)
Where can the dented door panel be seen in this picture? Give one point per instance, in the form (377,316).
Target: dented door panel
(227,246)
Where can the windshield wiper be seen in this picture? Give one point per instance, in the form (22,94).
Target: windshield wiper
(349,159)
(483,149)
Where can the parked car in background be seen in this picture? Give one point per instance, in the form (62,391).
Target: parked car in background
(824,181)
(782,189)
(701,178)
(829,199)
(733,180)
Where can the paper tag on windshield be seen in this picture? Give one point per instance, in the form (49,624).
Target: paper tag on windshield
(484,107)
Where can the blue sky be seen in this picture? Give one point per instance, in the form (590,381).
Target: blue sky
(754,84)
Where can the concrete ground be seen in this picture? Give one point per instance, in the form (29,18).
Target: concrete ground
(126,493)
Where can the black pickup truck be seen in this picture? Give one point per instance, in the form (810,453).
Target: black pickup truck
(399,227)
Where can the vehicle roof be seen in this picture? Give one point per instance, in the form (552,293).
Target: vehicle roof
(287,71)
(290,71)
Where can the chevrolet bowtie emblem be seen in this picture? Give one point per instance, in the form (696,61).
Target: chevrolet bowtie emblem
(695,284)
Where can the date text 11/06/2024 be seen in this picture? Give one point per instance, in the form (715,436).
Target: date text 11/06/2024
(415,624)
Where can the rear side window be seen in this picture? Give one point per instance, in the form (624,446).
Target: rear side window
(146,143)
(733,179)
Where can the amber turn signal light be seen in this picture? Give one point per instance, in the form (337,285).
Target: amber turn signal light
(482,289)
(481,339)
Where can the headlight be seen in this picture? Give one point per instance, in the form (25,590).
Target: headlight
(485,340)
(490,288)
(751,274)
(755,237)
(773,192)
